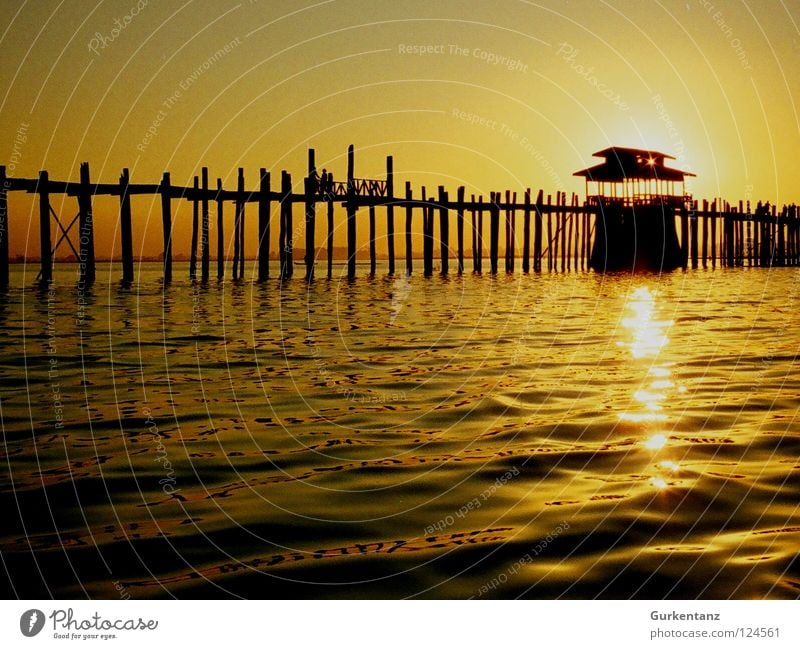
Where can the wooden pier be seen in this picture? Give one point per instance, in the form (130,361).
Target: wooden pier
(560,239)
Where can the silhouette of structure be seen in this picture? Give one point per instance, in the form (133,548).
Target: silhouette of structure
(628,221)
(637,198)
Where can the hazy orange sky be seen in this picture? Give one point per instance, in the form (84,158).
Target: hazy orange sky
(492,95)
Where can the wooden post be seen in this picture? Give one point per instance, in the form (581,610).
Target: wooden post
(684,240)
(444,231)
(577,218)
(714,234)
(311,191)
(563,250)
(351,213)
(537,233)
(730,257)
(204,234)
(195,210)
(480,234)
(705,233)
(409,210)
(526,233)
(474,237)
(508,235)
(568,249)
(550,263)
(782,240)
(390,212)
(286,239)
(329,242)
(693,225)
(125,226)
(460,228)
(512,240)
(372,252)
(240,205)
(263,225)
(45,252)
(427,236)
(494,230)
(86,231)
(4,270)
(221,237)
(756,241)
(166,226)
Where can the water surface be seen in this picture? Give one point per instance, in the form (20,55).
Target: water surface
(546,436)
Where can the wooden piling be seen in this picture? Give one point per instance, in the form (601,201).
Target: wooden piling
(563,219)
(444,231)
(409,212)
(494,230)
(351,213)
(240,205)
(427,236)
(509,246)
(372,251)
(756,242)
(730,250)
(460,228)
(684,240)
(526,233)
(549,234)
(125,227)
(86,230)
(474,237)
(480,234)
(204,238)
(568,248)
(390,212)
(704,255)
(693,238)
(311,191)
(45,252)
(4,268)
(537,233)
(221,237)
(195,212)
(285,237)
(330,228)
(166,225)
(263,224)
(714,234)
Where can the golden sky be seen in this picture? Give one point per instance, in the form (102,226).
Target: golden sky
(492,95)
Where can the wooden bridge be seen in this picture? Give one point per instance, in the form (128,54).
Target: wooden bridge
(557,232)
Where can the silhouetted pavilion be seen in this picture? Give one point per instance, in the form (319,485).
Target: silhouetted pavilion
(637,195)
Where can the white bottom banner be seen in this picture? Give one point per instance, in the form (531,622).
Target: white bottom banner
(382,624)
